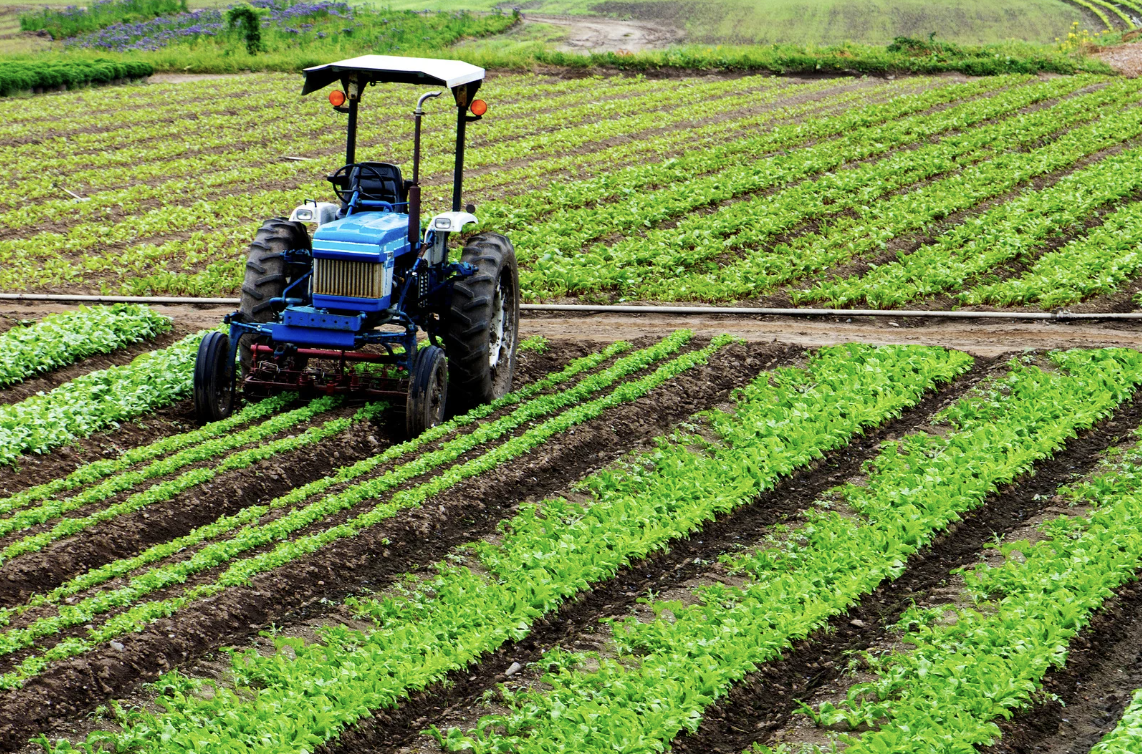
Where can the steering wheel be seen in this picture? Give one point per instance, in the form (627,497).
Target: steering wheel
(344,175)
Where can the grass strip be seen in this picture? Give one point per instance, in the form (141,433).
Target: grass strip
(670,669)
(781,421)
(138,617)
(61,339)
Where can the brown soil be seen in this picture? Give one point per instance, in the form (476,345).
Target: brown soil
(455,700)
(765,702)
(1124,58)
(227,494)
(592,34)
(374,557)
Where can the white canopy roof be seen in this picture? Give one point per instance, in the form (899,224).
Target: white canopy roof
(391,68)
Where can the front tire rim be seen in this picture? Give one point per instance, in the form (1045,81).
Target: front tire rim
(496,326)
(222,395)
(436,396)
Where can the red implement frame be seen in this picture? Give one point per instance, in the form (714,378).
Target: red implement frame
(268,376)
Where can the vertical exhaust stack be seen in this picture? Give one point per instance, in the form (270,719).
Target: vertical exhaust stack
(414,189)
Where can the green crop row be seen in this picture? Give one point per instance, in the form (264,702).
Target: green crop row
(172,444)
(1126,738)
(97,400)
(61,339)
(654,258)
(781,422)
(168,102)
(231,214)
(390,134)
(747,141)
(1014,229)
(972,665)
(220,253)
(261,140)
(250,515)
(240,572)
(239,168)
(870,228)
(15,639)
(204,452)
(20,76)
(1095,264)
(724,177)
(669,670)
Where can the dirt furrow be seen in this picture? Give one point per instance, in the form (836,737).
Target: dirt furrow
(374,557)
(225,495)
(1103,669)
(767,699)
(456,699)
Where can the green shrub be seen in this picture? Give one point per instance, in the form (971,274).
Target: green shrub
(22,76)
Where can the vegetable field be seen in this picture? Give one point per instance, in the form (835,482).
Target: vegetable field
(1004,192)
(699,543)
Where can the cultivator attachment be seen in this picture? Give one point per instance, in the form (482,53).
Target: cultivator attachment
(357,374)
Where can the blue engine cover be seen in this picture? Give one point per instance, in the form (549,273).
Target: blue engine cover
(371,237)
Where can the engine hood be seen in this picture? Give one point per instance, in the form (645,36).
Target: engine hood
(366,236)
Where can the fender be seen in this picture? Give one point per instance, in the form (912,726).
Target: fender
(317,213)
(435,238)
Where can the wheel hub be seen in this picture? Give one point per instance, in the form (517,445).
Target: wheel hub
(496,326)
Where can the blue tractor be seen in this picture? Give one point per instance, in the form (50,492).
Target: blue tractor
(371,305)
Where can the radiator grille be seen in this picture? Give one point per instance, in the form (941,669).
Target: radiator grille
(342,277)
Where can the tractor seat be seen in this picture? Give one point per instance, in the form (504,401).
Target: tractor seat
(389,187)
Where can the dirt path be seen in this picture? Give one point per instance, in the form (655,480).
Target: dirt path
(980,337)
(977,337)
(1125,58)
(597,34)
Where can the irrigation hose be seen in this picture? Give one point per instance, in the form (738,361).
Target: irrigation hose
(740,311)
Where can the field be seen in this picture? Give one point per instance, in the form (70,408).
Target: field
(705,543)
(774,536)
(824,22)
(1000,192)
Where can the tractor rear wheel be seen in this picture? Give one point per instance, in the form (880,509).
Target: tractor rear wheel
(267,276)
(427,391)
(482,332)
(213,378)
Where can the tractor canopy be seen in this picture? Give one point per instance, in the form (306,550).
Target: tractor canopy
(381,69)
(356,74)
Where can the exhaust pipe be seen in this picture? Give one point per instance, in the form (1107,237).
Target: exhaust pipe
(414,189)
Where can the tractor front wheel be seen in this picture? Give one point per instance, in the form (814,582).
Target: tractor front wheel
(482,332)
(427,391)
(267,276)
(213,378)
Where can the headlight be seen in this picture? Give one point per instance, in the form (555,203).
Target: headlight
(442,223)
(305,215)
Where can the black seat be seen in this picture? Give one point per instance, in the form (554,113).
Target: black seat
(385,184)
